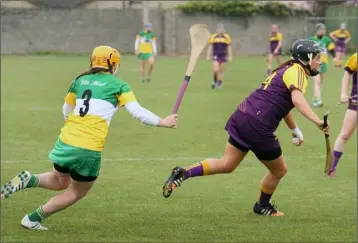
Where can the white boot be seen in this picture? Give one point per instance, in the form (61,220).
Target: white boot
(28,224)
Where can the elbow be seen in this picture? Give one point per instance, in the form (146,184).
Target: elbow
(295,96)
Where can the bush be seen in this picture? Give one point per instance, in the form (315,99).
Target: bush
(242,8)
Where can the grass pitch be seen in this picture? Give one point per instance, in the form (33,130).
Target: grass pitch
(126,203)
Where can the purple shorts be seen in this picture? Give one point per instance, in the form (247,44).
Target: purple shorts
(272,49)
(220,58)
(352,104)
(340,48)
(243,130)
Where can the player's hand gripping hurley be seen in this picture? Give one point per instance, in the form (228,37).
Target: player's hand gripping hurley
(329,155)
(199,35)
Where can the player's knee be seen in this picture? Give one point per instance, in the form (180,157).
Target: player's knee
(345,136)
(65,182)
(228,166)
(279,173)
(79,194)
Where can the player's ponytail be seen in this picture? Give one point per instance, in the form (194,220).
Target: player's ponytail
(92,71)
(288,62)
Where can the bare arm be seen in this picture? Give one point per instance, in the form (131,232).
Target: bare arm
(290,122)
(344,89)
(303,107)
(347,40)
(296,132)
(332,36)
(278,46)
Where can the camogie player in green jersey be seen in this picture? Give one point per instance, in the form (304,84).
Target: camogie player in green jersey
(90,103)
(327,45)
(146,48)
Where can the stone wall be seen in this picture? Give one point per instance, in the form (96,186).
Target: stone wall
(79,30)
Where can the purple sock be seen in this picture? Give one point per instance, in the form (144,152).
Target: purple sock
(265,198)
(193,171)
(219,83)
(337,155)
(268,72)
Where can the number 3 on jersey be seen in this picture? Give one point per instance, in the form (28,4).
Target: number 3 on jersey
(268,80)
(87,95)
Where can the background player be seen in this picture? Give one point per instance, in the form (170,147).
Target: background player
(327,45)
(221,51)
(146,48)
(252,126)
(341,37)
(350,118)
(275,44)
(91,102)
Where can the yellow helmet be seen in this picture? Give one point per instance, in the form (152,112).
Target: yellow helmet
(105,57)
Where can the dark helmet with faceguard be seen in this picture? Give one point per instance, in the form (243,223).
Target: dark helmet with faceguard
(305,51)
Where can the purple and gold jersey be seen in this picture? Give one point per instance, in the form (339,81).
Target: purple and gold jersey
(266,106)
(341,36)
(351,67)
(274,39)
(220,44)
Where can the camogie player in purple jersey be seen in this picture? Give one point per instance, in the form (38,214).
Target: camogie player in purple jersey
(350,119)
(220,50)
(341,38)
(252,126)
(275,45)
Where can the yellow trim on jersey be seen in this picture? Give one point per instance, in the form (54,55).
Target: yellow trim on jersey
(125,98)
(339,34)
(330,46)
(324,58)
(88,132)
(351,63)
(295,77)
(70,98)
(278,37)
(226,39)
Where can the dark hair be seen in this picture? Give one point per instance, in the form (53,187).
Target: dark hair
(93,71)
(289,62)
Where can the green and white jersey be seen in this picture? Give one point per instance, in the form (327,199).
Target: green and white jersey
(96,98)
(145,41)
(326,44)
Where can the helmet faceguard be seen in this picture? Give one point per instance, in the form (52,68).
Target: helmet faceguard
(305,51)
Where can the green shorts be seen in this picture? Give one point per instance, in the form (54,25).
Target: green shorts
(145,56)
(82,164)
(323,68)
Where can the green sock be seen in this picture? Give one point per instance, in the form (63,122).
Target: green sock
(38,215)
(34,181)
